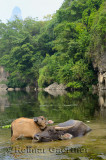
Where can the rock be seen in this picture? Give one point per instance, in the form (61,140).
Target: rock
(99,63)
(10,89)
(102,81)
(3,75)
(3,79)
(102,63)
(56,89)
(17,89)
(55,86)
(27,89)
(102,98)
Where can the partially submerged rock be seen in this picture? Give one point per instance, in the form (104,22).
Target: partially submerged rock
(56,89)
(10,89)
(17,89)
(56,86)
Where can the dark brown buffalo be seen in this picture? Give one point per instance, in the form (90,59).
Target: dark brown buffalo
(66,130)
(26,127)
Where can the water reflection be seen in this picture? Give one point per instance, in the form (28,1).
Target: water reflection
(74,105)
(102,103)
(91,146)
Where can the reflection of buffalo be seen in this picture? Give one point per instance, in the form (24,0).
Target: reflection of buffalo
(66,130)
(25,127)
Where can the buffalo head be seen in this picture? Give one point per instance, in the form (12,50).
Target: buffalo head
(42,122)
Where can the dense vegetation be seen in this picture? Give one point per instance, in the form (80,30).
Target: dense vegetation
(60,49)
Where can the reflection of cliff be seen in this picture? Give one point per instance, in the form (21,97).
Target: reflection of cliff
(101,113)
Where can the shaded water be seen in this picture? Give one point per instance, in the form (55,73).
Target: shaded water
(76,105)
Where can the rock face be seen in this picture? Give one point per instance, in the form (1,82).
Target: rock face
(102,98)
(3,74)
(100,63)
(3,79)
(102,80)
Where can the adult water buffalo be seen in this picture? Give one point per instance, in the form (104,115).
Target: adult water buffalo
(25,127)
(66,130)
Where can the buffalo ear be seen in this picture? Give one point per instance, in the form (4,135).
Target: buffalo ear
(35,119)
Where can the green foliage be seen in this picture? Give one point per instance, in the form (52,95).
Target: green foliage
(60,49)
(19,53)
(6,126)
(73,38)
(81,72)
(76,85)
(98,31)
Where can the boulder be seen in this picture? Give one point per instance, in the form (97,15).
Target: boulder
(17,89)
(10,89)
(56,89)
(56,86)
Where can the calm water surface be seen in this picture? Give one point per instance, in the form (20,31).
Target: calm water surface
(76,105)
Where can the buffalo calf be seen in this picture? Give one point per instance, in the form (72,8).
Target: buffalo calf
(25,127)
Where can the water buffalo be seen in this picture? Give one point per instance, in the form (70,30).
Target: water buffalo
(25,127)
(66,130)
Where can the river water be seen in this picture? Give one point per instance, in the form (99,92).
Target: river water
(75,105)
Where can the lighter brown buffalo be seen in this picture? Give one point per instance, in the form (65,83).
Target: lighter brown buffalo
(25,127)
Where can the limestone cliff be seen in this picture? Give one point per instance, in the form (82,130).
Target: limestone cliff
(3,99)
(3,78)
(102,72)
(100,64)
